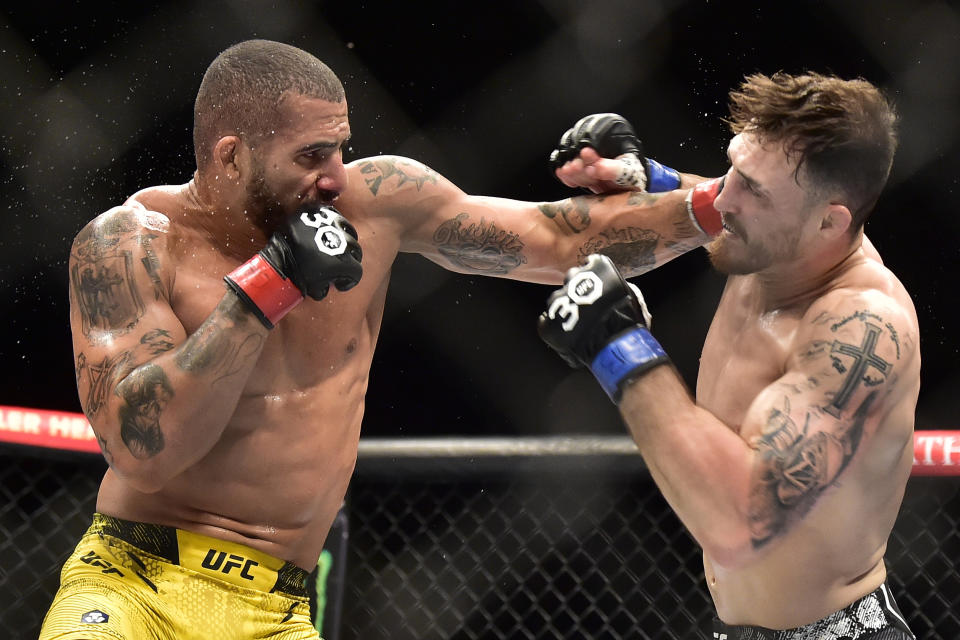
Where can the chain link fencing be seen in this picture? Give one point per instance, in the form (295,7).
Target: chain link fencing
(486,547)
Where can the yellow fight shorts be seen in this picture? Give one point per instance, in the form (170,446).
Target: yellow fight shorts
(132,581)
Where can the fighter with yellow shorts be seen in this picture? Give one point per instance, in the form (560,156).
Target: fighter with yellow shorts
(129,581)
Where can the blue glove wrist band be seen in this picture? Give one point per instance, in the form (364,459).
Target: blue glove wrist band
(661,178)
(632,351)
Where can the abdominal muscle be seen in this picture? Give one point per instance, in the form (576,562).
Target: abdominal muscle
(824,563)
(275,479)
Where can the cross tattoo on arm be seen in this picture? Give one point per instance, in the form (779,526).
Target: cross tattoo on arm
(864,358)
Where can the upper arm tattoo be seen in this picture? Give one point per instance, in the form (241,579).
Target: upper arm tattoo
(860,364)
(479,247)
(145,393)
(102,278)
(98,378)
(797,463)
(802,450)
(377,171)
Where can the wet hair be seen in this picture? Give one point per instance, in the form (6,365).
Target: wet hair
(244,87)
(841,133)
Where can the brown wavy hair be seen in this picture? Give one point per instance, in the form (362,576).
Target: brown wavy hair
(841,133)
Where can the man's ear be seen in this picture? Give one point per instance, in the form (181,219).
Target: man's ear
(836,220)
(228,157)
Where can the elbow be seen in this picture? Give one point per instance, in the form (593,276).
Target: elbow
(145,478)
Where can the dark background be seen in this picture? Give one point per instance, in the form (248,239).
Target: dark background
(96,102)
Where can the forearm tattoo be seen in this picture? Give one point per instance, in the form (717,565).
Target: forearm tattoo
(479,247)
(102,279)
(376,172)
(571,215)
(801,453)
(633,249)
(221,345)
(145,393)
(686,237)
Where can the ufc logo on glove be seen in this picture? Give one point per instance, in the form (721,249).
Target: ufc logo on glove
(584,288)
(329,238)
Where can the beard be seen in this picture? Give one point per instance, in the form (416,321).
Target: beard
(263,205)
(734,256)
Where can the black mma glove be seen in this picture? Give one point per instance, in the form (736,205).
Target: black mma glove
(600,320)
(613,137)
(312,249)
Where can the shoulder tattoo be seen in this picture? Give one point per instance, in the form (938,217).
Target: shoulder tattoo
(378,171)
(102,278)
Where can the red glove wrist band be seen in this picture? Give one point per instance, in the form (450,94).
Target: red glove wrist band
(700,206)
(270,292)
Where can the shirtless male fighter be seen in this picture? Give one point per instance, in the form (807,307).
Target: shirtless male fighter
(224,331)
(789,466)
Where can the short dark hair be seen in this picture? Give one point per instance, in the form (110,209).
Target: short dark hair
(841,132)
(244,86)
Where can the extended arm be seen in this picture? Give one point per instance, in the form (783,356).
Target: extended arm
(739,490)
(535,242)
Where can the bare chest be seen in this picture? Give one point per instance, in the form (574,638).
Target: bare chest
(744,352)
(317,340)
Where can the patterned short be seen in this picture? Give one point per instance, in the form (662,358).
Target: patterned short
(873,617)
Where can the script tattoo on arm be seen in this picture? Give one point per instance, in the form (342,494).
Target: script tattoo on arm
(102,280)
(216,347)
(633,249)
(145,393)
(380,170)
(479,247)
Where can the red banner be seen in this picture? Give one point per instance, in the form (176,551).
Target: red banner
(52,429)
(935,453)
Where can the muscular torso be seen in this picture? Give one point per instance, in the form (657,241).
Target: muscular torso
(279,473)
(834,554)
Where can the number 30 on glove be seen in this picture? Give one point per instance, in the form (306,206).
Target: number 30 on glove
(599,320)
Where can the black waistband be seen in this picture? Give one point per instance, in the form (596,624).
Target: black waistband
(161,541)
(875,616)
